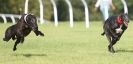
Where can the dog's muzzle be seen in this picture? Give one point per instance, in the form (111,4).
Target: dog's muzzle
(125,23)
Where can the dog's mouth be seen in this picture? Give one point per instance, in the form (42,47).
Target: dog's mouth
(126,24)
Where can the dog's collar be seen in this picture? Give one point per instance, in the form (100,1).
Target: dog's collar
(25,18)
(119,20)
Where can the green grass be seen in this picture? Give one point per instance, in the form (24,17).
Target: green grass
(65,45)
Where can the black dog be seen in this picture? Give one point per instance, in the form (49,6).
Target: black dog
(21,29)
(114,27)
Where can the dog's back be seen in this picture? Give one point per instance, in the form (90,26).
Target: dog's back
(110,24)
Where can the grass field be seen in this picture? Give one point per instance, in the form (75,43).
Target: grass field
(65,45)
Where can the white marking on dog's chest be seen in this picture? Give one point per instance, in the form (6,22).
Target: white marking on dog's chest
(119,30)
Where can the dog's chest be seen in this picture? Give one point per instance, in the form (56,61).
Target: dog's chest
(26,31)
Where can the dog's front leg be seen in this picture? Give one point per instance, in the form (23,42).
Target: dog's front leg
(113,33)
(114,40)
(21,35)
(120,36)
(38,33)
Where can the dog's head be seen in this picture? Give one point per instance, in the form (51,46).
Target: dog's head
(31,21)
(125,19)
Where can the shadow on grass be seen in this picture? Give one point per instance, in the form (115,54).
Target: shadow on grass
(123,50)
(29,54)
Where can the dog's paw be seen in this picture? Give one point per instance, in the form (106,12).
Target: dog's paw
(41,34)
(14,49)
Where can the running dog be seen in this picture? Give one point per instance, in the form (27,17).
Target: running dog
(114,27)
(21,29)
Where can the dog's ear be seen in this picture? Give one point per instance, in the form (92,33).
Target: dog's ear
(121,14)
(124,17)
(125,13)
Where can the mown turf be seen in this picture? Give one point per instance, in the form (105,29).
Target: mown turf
(65,45)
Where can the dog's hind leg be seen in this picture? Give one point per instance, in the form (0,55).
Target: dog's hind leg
(109,40)
(7,37)
(114,40)
(110,44)
(16,43)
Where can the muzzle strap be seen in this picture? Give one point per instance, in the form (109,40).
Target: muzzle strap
(119,20)
(25,18)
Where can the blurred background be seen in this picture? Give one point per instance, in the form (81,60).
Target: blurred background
(17,7)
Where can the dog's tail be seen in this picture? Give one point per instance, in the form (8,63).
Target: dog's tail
(103,33)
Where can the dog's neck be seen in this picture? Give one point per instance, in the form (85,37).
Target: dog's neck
(25,18)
